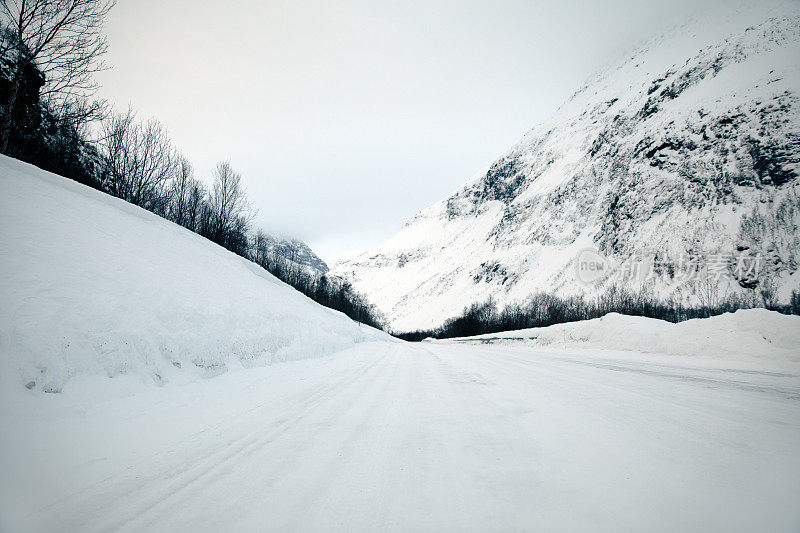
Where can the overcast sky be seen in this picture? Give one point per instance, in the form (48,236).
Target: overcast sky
(347,118)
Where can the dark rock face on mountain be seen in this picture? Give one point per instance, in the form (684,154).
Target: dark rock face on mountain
(688,151)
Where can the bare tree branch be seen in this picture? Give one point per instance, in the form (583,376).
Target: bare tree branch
(63,39)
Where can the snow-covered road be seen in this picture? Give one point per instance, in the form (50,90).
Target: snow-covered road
(416,437)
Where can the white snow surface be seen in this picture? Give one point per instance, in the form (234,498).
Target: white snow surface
(416,437)
(628,425)
(92,285)
(666,151)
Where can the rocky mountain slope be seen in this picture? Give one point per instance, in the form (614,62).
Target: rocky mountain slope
(298,252)
(675,171)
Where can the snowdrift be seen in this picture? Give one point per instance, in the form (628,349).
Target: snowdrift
(749,333)
(90,285)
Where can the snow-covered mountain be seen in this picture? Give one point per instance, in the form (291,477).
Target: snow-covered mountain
(298,252)
(93,286)
(686,152)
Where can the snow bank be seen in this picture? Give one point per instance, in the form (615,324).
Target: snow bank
(90,285)
(750,333)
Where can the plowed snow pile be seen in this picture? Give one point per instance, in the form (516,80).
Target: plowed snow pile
(91,285)
(747,334)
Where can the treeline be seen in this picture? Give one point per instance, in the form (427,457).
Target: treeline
(542,310)
(49,51)
(138,163)
(334,293)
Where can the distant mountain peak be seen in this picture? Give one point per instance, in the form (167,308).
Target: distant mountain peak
(296,251)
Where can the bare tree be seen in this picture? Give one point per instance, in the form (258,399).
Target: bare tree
(237,239)
(138,161)
(180,191)
(259,248)
(709,291)
(62,39)
(768,293)
(229,206)
(196,206)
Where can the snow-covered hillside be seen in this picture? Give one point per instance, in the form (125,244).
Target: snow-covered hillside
(91,285)
(688,150)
